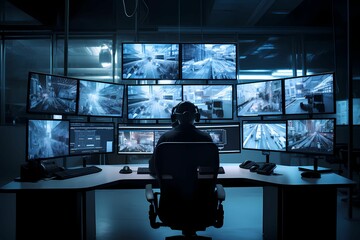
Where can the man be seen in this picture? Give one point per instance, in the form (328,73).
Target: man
(183,116)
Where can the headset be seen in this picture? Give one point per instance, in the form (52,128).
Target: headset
(187,115)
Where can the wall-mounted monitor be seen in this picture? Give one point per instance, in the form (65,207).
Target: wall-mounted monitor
(51,94)
(150,61)
(100,99)
(91,137)
(342,111)
(209,61)
(259,98)
(152,101)
(312,94)
(311,136)
(264,135)
(215,101)
(47,139)
(225,136)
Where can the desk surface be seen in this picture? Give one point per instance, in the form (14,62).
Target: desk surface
(110,178)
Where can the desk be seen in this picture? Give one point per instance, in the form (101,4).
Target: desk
(292,206)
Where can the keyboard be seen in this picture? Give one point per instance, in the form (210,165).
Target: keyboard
(76,172)
(146,170)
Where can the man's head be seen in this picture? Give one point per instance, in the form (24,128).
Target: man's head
(185,112)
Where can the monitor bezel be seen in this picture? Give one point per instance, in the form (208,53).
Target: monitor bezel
(123,44)
(259,114)
(212,43)
(28,95)
(213,84)
(306,151)
(92,153)
(27,148)
(307,76)
(120,115)
(148,85)
(261,121)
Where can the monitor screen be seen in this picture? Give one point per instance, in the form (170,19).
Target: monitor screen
(311,136)
(138,139)
(259,98)
(101,99)
(51,94)
(152,101)
(91,137)
(150,61)
(47,139)
(264,135)
(215,101)
(313,94)
(342,111)
(225,136)
(208,61)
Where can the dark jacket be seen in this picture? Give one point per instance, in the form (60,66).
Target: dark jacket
(180,133)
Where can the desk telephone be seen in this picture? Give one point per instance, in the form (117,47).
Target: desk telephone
(261,168)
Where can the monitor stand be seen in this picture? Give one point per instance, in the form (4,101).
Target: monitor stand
(267,156)
(313,171)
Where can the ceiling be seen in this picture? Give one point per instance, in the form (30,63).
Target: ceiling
(152,15)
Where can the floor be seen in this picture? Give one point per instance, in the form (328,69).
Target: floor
(118,216)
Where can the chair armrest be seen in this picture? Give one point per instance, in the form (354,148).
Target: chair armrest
(220,192)
(149,193)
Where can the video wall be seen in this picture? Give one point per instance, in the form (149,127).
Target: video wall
(289,112)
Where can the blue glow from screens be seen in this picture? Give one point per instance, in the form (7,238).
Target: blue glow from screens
(208,61)
(47,139)
(259,98)
(310,94)
(264,135)
(50,94)
(311,136)
(214,101)
(150,61)
(152,101)
(100,99)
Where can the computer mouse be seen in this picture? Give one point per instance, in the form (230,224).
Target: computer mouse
(254,168)
(126,169)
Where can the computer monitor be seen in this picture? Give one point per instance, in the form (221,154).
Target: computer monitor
(264,135)
(47,139)
(226,136)
(92,137)
(215,101)
(209,61)
(259,98)
(150,61)
(312,94)
(100,99)
(138,139)
(311,136)
(342,111)
(51,94)
(152,101)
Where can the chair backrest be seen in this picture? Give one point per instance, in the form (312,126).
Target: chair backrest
(187,197)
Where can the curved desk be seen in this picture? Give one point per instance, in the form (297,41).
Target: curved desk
(66,208)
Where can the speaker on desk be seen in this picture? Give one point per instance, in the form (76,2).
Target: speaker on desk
(31,171)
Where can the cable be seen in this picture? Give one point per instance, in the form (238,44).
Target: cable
(125,11)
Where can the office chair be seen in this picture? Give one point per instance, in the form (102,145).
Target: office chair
(187,200)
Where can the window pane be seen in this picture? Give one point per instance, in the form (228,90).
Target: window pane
(22,56)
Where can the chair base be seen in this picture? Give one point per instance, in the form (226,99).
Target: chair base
(182,237)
